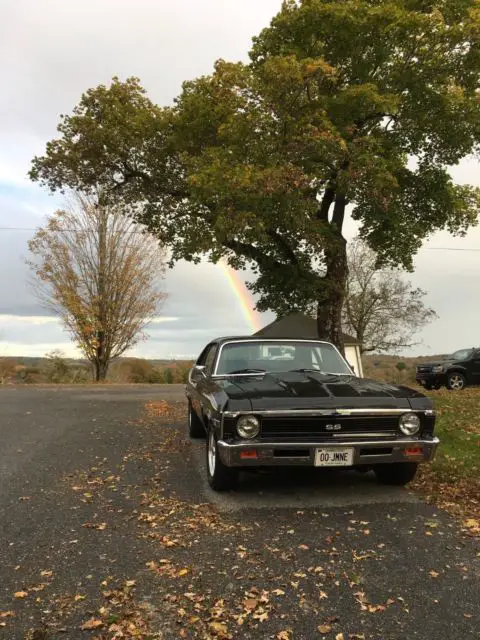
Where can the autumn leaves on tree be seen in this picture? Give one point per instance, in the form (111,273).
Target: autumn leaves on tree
(101,275)
(345,108)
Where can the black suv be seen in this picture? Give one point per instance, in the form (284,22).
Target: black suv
(457,371)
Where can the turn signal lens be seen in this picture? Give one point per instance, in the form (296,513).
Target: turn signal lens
(414,452)
(248,455)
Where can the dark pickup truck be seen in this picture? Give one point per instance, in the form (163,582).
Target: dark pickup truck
(456,371)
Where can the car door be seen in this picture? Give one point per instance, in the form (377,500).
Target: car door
(475,367)
(198,379)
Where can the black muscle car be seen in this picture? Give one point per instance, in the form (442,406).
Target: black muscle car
(297,402)
(456,371)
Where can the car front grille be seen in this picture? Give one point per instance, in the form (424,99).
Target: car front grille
(424,369)
(320,428)
(327,428)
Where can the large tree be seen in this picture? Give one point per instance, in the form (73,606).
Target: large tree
(347,107)
(382,309)
(101,274)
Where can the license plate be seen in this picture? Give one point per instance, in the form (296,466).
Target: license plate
(338,457)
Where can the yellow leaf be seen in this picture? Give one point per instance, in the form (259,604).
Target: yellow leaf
(322,595)
(471,523)
(20,594)
(339,636)
(130,583)
(91,624)
(6,614)
(46,574)
(324,628)
(283,635)
(434,574)
(278,592)
(78,597)
(182,572)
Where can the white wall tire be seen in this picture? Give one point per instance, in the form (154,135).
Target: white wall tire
(220,477)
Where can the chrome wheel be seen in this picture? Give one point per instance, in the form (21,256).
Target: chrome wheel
(456,382)
(212,453)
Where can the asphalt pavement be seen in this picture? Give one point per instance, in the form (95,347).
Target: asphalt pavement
(108,527)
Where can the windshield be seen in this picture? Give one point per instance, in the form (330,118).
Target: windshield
(462,354)
(280,356)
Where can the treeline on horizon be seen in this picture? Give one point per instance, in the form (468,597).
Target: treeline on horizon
(55,369)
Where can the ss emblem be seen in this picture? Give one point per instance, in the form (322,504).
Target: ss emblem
(333,427)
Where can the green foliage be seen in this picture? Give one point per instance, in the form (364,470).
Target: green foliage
(59,370)
(401,366)
(167,376)
(343,102)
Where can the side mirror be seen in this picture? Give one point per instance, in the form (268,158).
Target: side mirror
(200,369)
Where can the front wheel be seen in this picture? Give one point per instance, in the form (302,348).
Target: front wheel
(220,477)
(456,381)
(397,473)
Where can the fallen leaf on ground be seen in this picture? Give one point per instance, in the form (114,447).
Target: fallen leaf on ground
(100,526)
(324,628)
(91,624)
(6,614)
(20,594)
(250,604)
(283,635)
(219,628)
(46,574)
(473,524)
(339,636)
(434,574)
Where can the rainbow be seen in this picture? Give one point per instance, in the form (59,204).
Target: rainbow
(242,294)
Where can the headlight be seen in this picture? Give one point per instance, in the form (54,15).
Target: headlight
(248,427)
(409,424)
(437,369)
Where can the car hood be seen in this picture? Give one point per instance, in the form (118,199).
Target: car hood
(311,390)
(436,363)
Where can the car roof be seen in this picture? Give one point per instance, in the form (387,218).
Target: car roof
(224,339)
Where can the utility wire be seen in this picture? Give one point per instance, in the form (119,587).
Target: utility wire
(145,232)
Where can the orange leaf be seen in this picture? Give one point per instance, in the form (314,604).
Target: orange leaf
(91,624)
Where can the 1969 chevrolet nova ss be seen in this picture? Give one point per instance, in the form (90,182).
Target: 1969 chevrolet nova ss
(297,402)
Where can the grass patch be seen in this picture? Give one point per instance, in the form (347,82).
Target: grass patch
(452,480)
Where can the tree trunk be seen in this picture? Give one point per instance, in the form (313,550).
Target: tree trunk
(332,292)
(100,369)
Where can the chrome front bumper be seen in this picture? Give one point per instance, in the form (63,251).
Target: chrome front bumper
(270,454)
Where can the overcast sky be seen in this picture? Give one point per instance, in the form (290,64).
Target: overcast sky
(52,51)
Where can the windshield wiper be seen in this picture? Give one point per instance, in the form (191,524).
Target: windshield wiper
(247,371)
(323,373)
